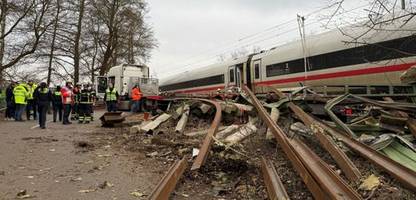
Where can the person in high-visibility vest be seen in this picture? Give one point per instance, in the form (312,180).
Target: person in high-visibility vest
(57,104)
(31,103)
(43,98)
(75,107)
(136,96)
(86,101)
(111,98)
(20,99)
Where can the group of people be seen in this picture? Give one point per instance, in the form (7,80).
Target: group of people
(36,99)
(75,101)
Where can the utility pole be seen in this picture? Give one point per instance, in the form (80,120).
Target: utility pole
(403,4)
(301,23)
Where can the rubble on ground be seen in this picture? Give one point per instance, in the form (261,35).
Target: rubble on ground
(232,169)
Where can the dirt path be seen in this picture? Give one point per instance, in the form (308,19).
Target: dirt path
(70,162)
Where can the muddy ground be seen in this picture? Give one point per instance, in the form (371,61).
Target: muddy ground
(70,162)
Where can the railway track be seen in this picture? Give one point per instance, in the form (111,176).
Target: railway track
(320,179)
(171,178)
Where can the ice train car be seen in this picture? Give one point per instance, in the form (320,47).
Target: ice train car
(372,65)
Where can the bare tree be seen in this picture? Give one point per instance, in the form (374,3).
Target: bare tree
(17,17)
(120,17)
(55,28)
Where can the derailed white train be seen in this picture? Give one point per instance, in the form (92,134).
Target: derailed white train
(373,66)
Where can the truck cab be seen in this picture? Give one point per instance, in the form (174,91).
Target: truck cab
(124,77)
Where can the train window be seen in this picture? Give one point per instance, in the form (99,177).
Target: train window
(277,69)
(386,50)
(256,71)
(231,75)
(403,89)
(212,80)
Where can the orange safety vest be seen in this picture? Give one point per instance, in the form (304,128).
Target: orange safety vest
(136,94)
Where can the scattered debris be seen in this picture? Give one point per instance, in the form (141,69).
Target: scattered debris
(184,119)
(137,194)
(22,194)
(274,114)
(370,183)
(149,128)
(105,184)
(87,191)
(111,119)
(227,131)
(242,133)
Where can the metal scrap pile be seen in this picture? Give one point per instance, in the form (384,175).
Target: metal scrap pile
(297,145)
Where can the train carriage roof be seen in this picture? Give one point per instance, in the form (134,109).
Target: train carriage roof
(207,71)
(335,40)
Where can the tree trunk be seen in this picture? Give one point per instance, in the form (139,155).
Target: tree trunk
(2,32)
(77,53)
(58,9)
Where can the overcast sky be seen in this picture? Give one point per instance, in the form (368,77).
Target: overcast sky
(193,33)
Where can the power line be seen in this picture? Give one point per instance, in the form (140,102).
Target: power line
(235,45)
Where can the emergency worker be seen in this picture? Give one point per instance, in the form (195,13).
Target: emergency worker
(20,99)
(31,103)
(136,96)
(43,98)
(75,109)
(86,101)
(10,101)
(67,101)
(111,98)
(57,104)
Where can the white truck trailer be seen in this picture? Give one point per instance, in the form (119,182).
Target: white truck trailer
(124,77)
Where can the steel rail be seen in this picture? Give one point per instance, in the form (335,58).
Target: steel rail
(322,181)
(206,145)
(168,183)
(403,174)
(346,165)
(274,185)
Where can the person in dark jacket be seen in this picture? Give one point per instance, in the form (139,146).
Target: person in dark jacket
(10,101)
(57,104)
(43,98)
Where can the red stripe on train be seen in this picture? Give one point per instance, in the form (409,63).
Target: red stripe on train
(201,89)
(374,70)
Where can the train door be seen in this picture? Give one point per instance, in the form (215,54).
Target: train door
(239,75)
(231,76)
(256,75)
(101,83)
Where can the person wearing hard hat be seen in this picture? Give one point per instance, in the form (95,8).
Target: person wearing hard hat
(111,98)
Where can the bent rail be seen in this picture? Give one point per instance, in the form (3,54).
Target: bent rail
(322,181)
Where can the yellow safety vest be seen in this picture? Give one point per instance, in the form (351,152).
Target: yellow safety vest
(20,94)
(31,90)
(111,95)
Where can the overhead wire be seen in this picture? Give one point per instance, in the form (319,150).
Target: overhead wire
(249,40)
